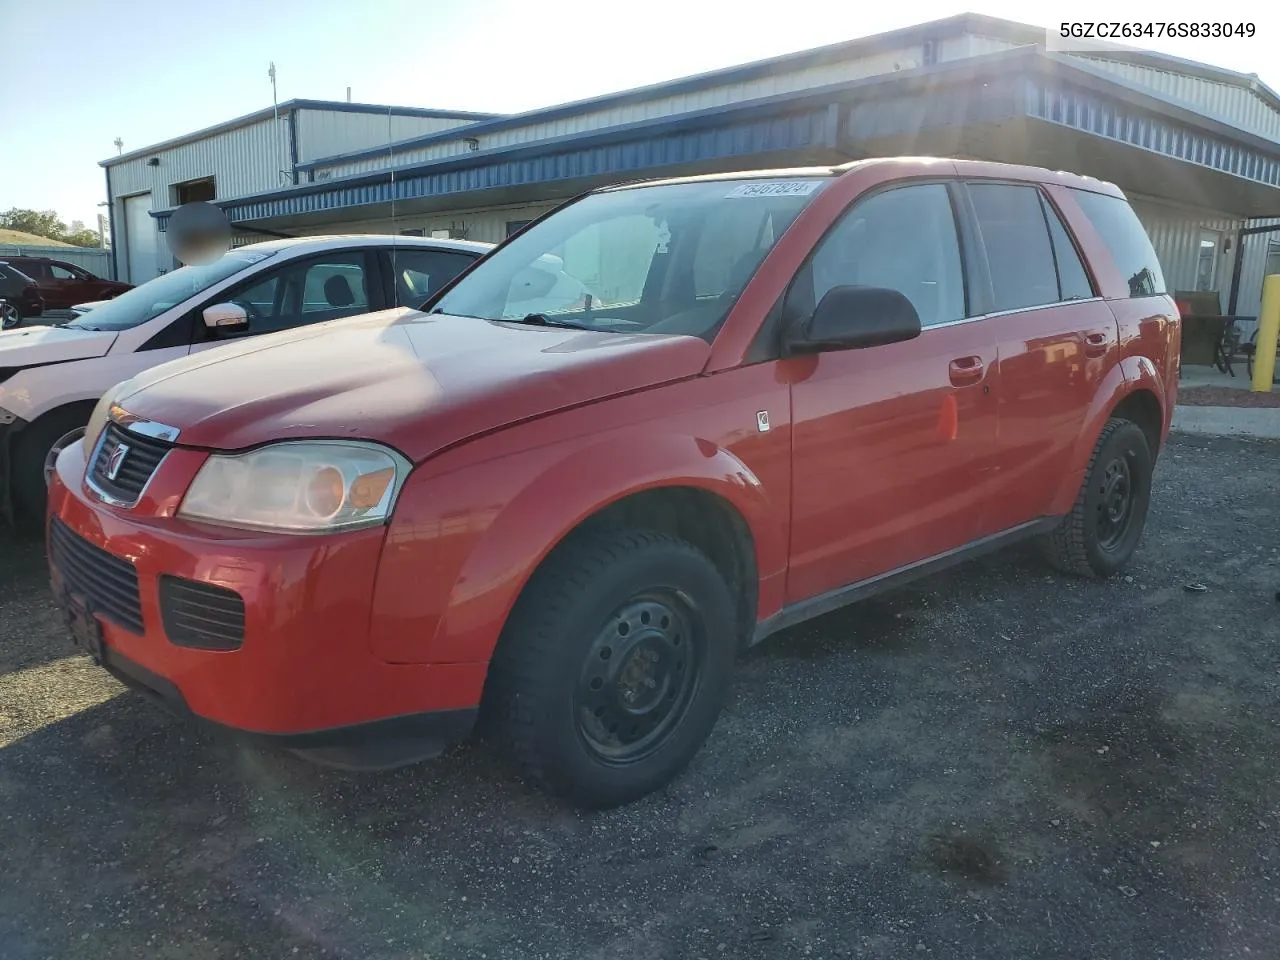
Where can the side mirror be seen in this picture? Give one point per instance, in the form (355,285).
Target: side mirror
(852,318)
(226,318)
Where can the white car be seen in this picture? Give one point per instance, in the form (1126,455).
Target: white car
(52,376)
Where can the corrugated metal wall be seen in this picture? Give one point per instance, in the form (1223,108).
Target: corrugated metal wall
(1237,106)
(907,58)
(1175,233)
(488,225)
(93,259)
(244,161)
(323,133)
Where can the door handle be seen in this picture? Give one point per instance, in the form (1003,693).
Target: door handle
(965,371)
(1095,344)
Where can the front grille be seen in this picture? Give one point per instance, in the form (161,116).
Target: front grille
(109,584)
(141,456)
(201,615)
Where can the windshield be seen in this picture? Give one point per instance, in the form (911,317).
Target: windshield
(147,301)
(663,259)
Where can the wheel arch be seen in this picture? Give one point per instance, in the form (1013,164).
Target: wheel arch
(1130,391)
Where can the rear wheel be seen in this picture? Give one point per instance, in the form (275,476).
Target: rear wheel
(1102,531)
(10,316)
(613,667)
(34,455)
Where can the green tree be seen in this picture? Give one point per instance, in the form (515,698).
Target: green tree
(81,238)
(42,223)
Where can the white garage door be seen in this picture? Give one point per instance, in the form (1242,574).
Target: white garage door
(140,239)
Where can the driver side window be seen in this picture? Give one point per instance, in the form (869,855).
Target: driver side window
(904,239)
(306,292)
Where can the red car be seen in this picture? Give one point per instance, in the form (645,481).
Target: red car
(63,285)
(787,391)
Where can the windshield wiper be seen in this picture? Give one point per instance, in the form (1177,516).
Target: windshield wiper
(542,320)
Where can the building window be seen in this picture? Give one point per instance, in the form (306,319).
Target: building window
(439,234)
(419,232)
(515,226)
(194,190)
(929,56)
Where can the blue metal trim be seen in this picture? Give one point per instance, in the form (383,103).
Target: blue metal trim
(332,106)
(1080,109)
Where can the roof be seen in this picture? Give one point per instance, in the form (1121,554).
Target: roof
(814,57)
(1024,82)
(332,106)
(958,25)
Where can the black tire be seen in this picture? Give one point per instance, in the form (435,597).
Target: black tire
(1100,534)
(26,473)
(542,703)
(10,316)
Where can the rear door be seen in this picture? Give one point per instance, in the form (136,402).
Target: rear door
(1056,339)
(418,272)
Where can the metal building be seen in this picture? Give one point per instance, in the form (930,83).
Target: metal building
(1196,147)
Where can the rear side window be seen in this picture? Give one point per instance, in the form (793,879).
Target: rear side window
(1073,279)
(1016,238)
(1126,240)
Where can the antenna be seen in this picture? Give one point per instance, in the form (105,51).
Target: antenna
(119,145)
(395,232)
(275,106)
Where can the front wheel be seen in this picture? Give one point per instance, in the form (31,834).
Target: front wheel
(1102,531)
(614,666)
(10,316)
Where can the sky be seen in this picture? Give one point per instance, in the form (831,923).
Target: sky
(147,70)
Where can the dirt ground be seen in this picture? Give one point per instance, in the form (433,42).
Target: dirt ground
(995,763)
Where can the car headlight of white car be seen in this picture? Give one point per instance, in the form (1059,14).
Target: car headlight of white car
(99,418)
(298,486)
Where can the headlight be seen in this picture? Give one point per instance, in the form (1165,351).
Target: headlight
(298,486)
(98,419)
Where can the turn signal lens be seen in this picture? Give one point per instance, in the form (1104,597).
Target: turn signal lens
(369,488)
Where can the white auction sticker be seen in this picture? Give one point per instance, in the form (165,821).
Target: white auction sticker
(777,188)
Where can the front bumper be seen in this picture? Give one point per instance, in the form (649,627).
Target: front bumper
(304,674)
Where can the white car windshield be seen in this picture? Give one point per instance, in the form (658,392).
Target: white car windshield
(148,300)
(669,258)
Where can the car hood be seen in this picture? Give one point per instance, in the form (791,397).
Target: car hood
(416,382)
(30,346)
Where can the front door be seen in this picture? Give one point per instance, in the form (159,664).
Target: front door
(893,446)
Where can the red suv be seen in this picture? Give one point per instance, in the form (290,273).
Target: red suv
(63,285)
(781,392)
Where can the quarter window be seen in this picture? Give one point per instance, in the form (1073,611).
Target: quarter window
(903,239)
(1127,241)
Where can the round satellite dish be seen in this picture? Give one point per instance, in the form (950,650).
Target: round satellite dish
(198,233)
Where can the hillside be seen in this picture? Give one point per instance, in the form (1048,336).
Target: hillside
(18,238)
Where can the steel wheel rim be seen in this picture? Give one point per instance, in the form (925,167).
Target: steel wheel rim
(1115,503)
(51,458)
(640,677)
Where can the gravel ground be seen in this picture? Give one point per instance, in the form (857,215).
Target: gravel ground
(1226,397)
(995,763)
